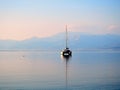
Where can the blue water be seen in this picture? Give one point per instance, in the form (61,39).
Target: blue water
(47,70)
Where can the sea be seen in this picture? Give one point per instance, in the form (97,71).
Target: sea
(48,70)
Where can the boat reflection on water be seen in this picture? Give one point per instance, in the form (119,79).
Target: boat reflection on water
(66,60)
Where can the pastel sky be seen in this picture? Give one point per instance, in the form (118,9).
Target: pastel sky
(22,19)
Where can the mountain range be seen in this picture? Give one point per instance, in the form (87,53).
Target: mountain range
(76,40)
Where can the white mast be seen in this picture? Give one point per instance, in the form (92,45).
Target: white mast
(66,38)
(66,51)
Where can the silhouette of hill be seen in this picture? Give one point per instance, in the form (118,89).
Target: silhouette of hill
(76,41)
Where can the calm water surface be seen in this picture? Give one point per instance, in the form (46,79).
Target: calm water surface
(47,70)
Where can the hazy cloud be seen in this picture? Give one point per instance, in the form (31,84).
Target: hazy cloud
(114,29)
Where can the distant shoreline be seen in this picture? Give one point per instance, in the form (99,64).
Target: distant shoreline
(56,50)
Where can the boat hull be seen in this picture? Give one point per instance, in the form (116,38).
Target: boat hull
(66,52)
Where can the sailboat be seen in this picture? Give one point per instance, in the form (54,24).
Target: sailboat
(66,51)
